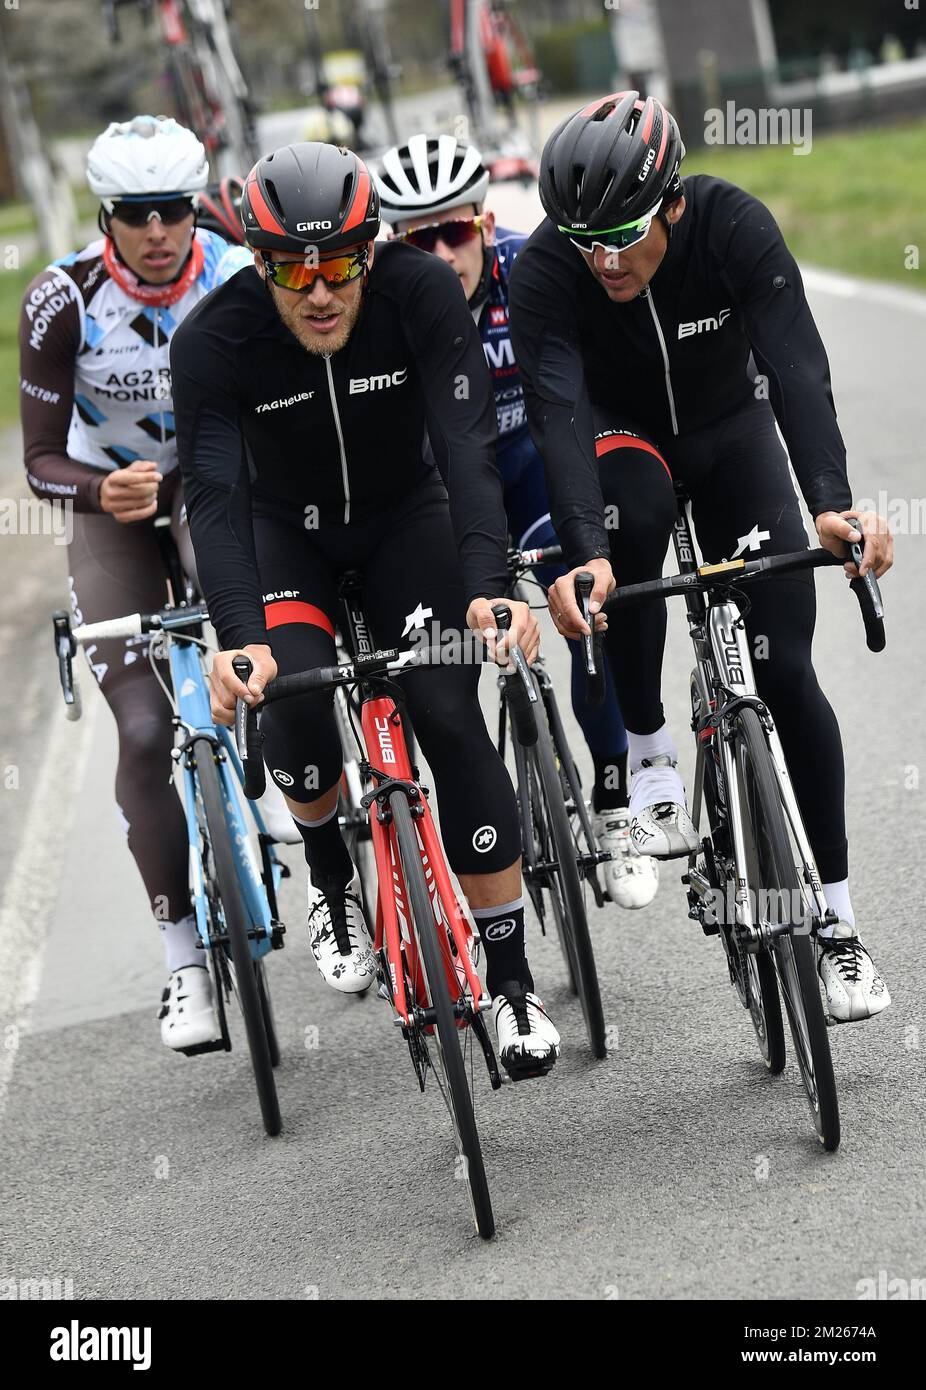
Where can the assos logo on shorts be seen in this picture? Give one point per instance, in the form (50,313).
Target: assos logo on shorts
(484,839)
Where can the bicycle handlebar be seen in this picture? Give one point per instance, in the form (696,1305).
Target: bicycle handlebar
(520,560)
(734,572)
(68,639)
(391,661)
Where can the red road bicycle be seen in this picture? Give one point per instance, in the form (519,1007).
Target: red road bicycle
(424,942)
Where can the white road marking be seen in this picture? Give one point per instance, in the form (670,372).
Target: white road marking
(875,291)
(31,889)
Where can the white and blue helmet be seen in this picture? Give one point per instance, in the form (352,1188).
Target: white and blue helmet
(152,155)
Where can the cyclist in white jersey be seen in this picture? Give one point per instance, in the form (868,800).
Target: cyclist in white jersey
(98,431)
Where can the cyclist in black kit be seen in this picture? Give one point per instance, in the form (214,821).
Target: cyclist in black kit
(661,329)
(312,402)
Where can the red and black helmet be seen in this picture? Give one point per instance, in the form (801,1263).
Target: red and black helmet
(219,209)
(309,194)
(610,163)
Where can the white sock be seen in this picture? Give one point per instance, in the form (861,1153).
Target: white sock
(650,746)
(181,944)
(837,897)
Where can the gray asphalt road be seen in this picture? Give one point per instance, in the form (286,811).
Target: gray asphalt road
(673,1169)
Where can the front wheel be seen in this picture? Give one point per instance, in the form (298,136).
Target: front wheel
(559,849)
(445,1038)
(235,919)
(779,898)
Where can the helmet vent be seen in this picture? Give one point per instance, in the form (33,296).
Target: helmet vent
(604,111)
(345,195)
(274,200)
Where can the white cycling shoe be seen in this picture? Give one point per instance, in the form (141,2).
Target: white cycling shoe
(528,1044)
(340,939)
(631,879)
(188,1015)
(854,989)
(660,824)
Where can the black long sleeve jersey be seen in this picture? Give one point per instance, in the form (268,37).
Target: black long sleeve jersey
(333,439)
(675,358)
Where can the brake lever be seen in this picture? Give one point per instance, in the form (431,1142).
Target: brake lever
(65,650)
(868,592)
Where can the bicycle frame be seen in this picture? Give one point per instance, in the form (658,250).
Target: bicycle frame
(725,682)
(195,719)
(388,763)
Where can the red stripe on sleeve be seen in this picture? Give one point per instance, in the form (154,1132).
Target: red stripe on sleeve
(628,441)
(294,611)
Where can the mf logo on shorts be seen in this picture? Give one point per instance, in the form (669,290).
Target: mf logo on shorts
(484,839)
(687,330)
(377,383)
(498,931)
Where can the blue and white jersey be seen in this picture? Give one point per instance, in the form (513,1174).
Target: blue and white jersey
(122,406)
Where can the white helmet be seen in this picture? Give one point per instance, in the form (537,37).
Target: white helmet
(430,174)
(149,154)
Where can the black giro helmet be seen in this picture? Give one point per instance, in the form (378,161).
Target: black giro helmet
(610,163)
(310,194)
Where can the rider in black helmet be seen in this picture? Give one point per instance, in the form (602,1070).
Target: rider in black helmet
(312,402)
(662,333)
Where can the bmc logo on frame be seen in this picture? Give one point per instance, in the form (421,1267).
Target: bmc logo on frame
(687,330)
(376,383)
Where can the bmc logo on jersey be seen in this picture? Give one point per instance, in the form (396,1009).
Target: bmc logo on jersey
(687,330)
(377,383)
(313,226)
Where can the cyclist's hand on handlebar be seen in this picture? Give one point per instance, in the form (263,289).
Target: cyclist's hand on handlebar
(131,493)
(225,687)
(564,610)
(524,630)
(878,555)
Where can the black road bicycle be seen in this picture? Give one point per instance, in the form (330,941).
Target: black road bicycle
(753,880)
(560,855)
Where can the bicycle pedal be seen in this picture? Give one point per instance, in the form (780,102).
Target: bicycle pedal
(218,1045)
(527,1073)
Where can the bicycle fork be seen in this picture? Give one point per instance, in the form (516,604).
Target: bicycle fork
(727,665)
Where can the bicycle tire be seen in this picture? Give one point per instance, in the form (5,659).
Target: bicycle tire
(793,953)
(446,1031)
(572,780)
(574,922)
(237,925)
(266,1008)
(534,850)
(759,996)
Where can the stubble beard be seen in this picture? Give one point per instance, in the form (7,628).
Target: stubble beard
(316,344)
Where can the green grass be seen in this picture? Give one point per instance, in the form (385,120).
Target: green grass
(853,204)
(12,287)
(15,218)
